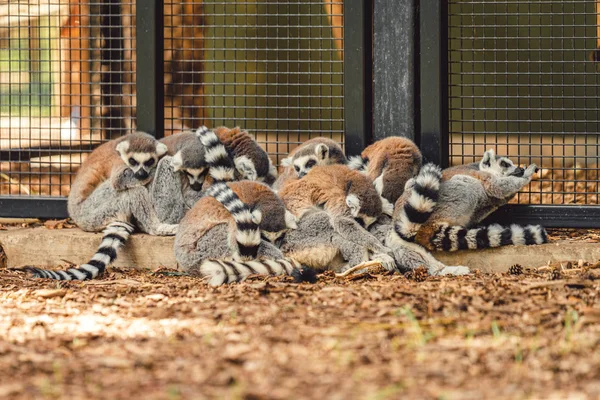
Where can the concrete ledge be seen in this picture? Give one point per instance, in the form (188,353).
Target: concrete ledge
(44,247)
(500,259)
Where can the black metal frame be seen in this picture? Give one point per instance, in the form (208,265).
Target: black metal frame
(358,75)
(434,122)
(358,92)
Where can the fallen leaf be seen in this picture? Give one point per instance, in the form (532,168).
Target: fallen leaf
(50,293)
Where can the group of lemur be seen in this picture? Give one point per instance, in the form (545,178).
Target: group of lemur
(233,215)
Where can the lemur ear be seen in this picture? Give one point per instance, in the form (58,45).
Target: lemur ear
(272,169)
(202,130)
(161,149)
(322,151)
(256,216)
(488,156)
(123,147)
(354,204)
(177,161)
(386,207)
(290,220)
(246,168)
(286,162)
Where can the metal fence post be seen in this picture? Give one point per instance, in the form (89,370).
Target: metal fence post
(150,67)
(395,72)
(358,78)
(433,69)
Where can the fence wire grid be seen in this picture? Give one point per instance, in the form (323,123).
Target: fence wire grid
(524,78)
(68,69)
(66,85)
(274,68)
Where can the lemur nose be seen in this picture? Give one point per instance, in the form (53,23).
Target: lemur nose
(141,174)
(197,186)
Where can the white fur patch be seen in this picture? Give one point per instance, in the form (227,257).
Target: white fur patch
(103,258)
(286,162)
(257,216)
(421,203)
(471,238)
(78,274)
(536,230)
(453,236)
(177,161)
(494,235)
(290,220)
(322,151)
(386,207)
(353,203)
(91,269)
(378,183)
(161,149)
(517,234)
(123,147)
(222,173)
(215,153)
(246,168)
(356,162)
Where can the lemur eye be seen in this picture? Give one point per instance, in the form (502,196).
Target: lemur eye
(504,164)
(133,162)
(297,168)
(149,163)
(310,163)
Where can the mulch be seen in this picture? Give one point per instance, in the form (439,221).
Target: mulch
(137,334)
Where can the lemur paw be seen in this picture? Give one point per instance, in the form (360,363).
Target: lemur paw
(386,261)
(457,270)
(531,169)
(165,230)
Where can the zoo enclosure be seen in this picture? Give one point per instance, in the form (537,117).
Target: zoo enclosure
(456,76)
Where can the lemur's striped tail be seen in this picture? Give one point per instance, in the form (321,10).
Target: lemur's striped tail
(419,202)
(247,221)
(115,236)
(220,272)
(358,163)
(453,238)
(221,167)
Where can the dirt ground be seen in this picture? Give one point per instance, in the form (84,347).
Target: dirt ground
(137,334)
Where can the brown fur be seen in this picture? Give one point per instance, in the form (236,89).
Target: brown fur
(398,158)
(288,173)
(327,186)
(209,212)
(100,164)
(240,143)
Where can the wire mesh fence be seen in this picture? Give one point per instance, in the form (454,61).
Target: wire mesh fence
(524,79)
(68,78)
(274,68)
(66,85)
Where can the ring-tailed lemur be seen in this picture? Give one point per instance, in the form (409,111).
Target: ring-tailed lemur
(217,156)
(420,200)
(181,174)
(313,152)
(389,163)
(230,231)
(251,161)
(109,193)
(467,195)
(348,197)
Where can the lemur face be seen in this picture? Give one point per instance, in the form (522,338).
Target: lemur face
(304,164)
(140,162)
(499,166)
(195,176)
(277,236)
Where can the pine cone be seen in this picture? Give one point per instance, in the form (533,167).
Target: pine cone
(418,274)
(555,274)
(516,269)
